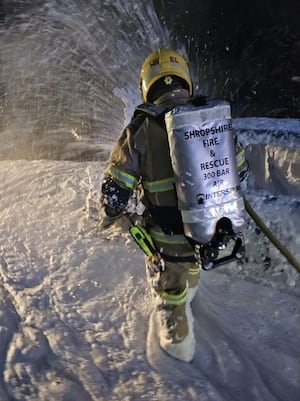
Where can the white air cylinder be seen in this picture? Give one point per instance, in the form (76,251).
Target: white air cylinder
(204,162)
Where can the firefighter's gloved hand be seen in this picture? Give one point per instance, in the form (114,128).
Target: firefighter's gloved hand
(114,197)
(114,200)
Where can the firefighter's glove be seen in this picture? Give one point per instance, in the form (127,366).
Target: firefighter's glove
(114,197)
(114,200)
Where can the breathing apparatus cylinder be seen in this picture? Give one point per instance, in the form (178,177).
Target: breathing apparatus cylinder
(203,157)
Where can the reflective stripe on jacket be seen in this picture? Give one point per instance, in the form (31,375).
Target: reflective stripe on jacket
(141,156)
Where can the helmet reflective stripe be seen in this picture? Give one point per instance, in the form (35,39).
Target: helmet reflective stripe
(160,63)
(155,73)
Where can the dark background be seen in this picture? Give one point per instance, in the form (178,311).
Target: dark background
(250,48)
(246,50)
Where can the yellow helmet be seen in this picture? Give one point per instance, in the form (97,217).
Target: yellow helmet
(161,63)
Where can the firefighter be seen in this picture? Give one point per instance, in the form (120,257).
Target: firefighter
(141,160)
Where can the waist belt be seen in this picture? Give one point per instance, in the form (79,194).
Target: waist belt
(145,242)
(174,259)
(208,254)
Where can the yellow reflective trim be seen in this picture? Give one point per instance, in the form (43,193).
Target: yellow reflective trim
(143,239)
(193,271)
(240,158)
(160,236)
(125,178)
(174,299)
(167,184)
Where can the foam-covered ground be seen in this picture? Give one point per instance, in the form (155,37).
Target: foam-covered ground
(75,315)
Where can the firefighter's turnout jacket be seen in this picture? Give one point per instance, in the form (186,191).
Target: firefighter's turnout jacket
(141,159)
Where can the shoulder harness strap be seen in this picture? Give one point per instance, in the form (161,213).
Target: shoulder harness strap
(155,111)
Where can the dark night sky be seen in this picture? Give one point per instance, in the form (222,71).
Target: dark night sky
(256,44)
(253,46)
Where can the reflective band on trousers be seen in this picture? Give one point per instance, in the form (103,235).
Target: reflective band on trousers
(127,179)
(193,271)
(174,299)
